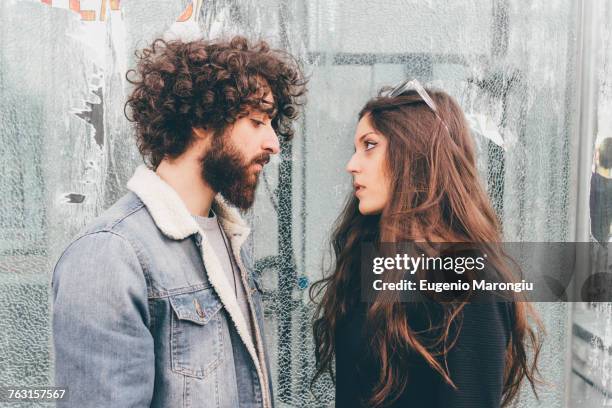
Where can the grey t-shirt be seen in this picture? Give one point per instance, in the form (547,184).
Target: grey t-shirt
(215,235)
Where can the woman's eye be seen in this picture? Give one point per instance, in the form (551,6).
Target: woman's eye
(256,122)
(369,145)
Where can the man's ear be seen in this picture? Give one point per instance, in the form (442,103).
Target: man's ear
(201,133)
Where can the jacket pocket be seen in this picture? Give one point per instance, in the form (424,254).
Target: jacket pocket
(196,333)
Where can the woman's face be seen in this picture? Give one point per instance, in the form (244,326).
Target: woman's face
(368,166)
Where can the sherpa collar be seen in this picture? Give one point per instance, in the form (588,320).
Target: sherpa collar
(170,213)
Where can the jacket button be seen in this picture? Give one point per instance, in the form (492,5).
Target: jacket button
(198,308)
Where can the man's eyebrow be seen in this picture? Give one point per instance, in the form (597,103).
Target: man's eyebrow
(267,107)
(264,107)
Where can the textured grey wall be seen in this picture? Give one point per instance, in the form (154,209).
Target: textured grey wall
(66,150)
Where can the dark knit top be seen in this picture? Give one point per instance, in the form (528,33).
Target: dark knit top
(475,363)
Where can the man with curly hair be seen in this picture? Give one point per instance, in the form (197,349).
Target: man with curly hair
(155,302)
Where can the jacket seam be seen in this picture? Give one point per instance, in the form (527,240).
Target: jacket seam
(109,229)
(118,221)
(180,291)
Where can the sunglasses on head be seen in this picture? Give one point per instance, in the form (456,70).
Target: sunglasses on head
(414,85)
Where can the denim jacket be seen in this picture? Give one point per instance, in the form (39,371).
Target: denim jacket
(144,316)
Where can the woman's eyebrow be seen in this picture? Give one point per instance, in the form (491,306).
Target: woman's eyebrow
(361,138)
(364,135)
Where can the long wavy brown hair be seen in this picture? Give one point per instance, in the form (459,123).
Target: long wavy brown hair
(436,197)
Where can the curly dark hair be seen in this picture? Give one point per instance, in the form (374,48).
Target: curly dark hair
(208,84)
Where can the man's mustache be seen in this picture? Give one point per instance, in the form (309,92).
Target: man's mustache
(262,159)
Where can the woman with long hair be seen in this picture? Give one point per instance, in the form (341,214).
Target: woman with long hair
(415,178)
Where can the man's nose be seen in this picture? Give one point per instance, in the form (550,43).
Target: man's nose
(271,143)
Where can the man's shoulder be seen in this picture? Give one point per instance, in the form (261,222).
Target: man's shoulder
(104,254)
(127,220)
(127,211)
(118,229)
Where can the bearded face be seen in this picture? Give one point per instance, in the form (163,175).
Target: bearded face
(230,173)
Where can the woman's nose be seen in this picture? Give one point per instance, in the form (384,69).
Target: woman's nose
(351,166)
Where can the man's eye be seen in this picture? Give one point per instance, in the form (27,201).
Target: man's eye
(256,122)
(369,145)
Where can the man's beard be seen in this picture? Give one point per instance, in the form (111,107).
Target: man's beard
(226,171)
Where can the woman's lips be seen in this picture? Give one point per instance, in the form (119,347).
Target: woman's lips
(358,188)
